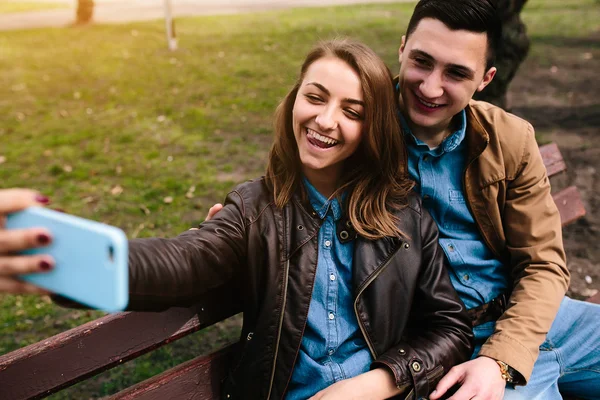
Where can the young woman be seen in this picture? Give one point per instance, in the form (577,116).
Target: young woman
(334,261)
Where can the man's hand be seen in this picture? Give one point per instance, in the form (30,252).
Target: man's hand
(479,378)
(213,211)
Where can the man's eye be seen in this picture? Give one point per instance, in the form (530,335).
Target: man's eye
(457,75)
(422,62)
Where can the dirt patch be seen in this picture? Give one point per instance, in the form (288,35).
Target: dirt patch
(559,96)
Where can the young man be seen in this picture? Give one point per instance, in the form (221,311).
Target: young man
(482,178)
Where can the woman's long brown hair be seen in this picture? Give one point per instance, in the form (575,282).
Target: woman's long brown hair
(376,175)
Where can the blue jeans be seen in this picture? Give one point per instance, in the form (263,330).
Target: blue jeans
(569,360)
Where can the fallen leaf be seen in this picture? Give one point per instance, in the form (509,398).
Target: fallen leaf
(587,292)
(588,56)
(119,170)
(190,192)
(63,113)
(117,190)
(554,69)
(161,118)
(47,153)
(2,159)
(67,168)
(76,95)
(168,200)
(145,209)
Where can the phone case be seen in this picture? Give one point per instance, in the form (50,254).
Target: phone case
(91,258)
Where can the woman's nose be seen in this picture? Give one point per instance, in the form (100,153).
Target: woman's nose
(326,119)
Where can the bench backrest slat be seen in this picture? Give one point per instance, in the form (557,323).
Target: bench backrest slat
(553,159)
(69,357)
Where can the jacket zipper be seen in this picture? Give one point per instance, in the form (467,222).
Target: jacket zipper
(478,223)
(285,283)
(365,285)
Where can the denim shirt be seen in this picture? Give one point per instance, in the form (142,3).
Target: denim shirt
(477,275)
(333,347)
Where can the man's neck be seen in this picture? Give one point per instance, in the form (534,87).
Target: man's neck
(433,136)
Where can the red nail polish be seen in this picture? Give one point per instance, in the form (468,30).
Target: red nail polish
(42,199)
(45,266)
(43,239)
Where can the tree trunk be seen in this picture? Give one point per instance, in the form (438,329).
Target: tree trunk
(85,11)
(512,50)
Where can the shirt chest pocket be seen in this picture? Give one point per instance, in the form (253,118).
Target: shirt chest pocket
(457,216)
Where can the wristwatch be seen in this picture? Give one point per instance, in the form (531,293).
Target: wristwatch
(508,373)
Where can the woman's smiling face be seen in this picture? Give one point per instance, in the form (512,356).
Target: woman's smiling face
(328,118)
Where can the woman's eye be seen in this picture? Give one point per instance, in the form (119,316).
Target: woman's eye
(353,114)
(312,98)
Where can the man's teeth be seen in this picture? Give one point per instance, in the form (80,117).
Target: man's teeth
(431,105)
(314,135)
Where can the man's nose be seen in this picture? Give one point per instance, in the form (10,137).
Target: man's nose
(431,87)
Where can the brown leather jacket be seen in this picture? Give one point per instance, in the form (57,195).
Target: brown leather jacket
(508,192)
(410,316)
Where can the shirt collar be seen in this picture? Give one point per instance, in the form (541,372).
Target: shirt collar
(451,142)
(321,204)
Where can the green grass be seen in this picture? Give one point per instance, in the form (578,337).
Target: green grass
(15,6)
(87,110)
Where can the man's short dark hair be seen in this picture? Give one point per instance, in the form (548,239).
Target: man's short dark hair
(479,16)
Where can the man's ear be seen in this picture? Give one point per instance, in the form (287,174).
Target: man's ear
(401,49)
(487,78)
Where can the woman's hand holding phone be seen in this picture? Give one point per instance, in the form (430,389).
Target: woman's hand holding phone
(13,241)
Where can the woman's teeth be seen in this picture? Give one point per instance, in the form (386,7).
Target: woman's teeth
(320,140)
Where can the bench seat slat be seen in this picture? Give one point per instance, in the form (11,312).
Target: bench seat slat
(45,367)
(198,379)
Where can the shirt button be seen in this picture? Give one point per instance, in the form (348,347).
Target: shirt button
(466,277)
(331,316)
(426,197)
(330,351)
(425,157)
(332,277)
(327,243)
(451,247)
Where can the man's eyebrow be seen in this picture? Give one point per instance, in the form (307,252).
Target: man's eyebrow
(346,100)
(468,72)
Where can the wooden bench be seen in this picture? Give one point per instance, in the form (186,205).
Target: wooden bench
(41,369)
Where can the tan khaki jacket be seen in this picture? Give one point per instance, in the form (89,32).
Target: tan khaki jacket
(508,192)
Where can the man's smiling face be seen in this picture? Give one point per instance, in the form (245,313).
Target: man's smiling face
(440,70)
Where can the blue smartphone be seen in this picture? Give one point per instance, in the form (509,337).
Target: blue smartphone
(90,258)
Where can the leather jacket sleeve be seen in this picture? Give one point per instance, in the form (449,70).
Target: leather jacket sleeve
(440,334)
(174,272)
